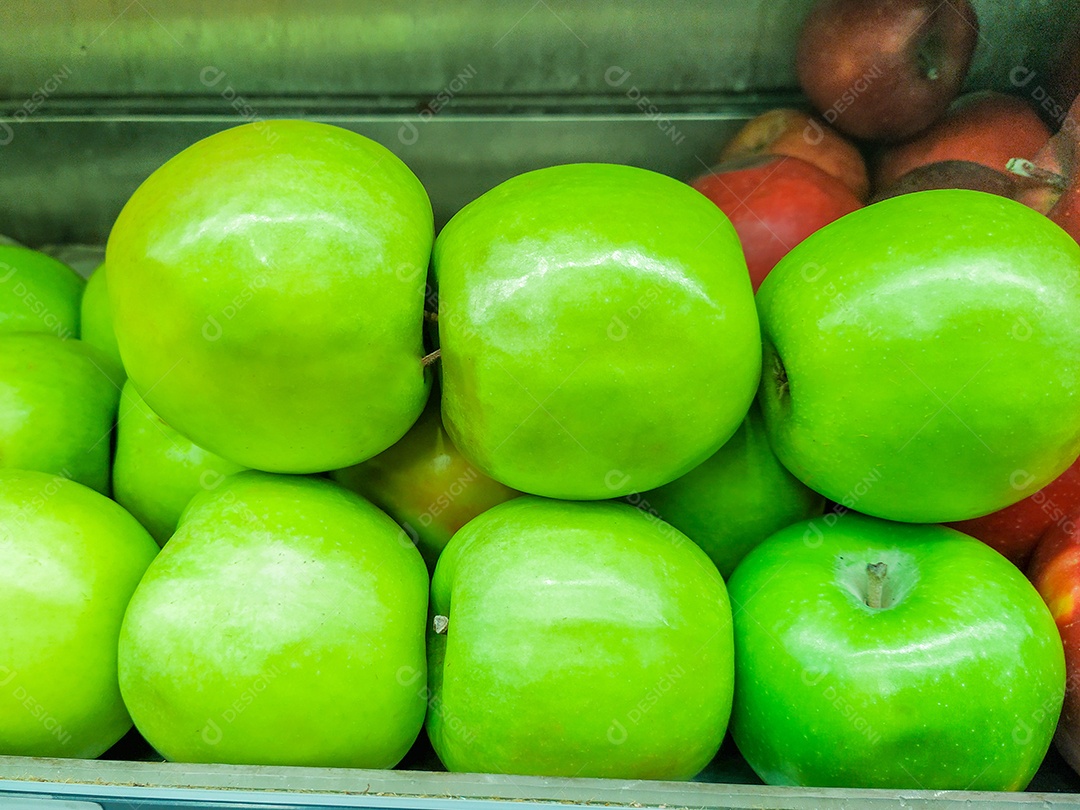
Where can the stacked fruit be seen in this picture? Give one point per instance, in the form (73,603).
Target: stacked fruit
(618,483)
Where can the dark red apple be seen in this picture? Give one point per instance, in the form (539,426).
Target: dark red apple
(800,135)
(952,174)
(1055,572)
(1065,70)
(885,69)
(984,127)
(774,203)
(1015,530)
(1056,170)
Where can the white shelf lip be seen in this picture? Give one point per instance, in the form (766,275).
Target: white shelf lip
(156,785)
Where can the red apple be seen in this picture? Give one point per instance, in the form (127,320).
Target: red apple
(1056,170)
(952,174)
(800,135)
(1055,572)
(774,203)
(985,127)
(885,69)
(1015,530)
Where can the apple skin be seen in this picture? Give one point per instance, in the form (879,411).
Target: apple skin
(954,174)
(96,327)
(267,289)
(735,499)
(584,639)
(942,325)
(156,471)
(425,484)
(69,561)
(885,69)
(1055,572)
(797,134)
(283,624)
(562,294)
(984,127)
(58,401)
(775,203)
(1015,530)
(38,293)
(832,692)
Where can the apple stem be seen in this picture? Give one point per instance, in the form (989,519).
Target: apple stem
(428,359)
(431,317)
(1025,168)
(440,624)
(875,575)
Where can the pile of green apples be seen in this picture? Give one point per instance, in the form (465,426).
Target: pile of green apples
(554,485)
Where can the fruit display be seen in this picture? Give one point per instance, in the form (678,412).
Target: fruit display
(768,462)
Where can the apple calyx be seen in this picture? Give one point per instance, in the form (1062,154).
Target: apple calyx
(439,624)
(875,582)
(780,377)
(429,359)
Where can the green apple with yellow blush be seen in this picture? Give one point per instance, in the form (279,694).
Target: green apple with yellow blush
(425,484)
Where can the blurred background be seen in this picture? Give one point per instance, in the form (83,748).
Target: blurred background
(95,95)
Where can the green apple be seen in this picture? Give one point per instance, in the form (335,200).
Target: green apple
(38,293)
(871,654)
(921,356)
(156,471)
(283,624)
(97,325)
(267,289)
(69,562)
(738,497)
(580,639)
(597,329)
(425,484)
(58,401)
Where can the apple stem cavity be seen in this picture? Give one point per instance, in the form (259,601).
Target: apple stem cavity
(930,55)
(429,359)
(875,576)
(780,376)
(440,624)
(1025,168)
